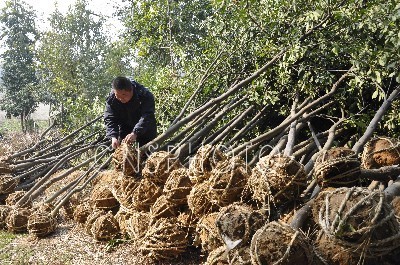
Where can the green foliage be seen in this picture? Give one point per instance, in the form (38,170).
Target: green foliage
(18,76)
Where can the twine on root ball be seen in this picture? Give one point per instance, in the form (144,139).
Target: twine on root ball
(380,152)
(127,160)
(278,243)
(41,224)
(105,227)
(237,224)
(199,202)
(102,198)
(358,219)
(14,197)
(227,181)
(240,256)
(17,220)
(81,212)
(145,195)
(159,165)
(178,186)
(4,211)
(337,167)
(8,184)
(207,233)
(163,208)
(137,224)
(277,179)
(203,162)
(165,239)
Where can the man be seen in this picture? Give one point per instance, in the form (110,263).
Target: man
(129,114)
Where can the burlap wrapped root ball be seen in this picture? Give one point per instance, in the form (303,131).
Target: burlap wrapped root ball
(337,167)
(138,224)
(277,179)
(207,235)
(163,208)
(41,223)
(126,159)
(165,239)
(381,152)
(203,162)
(278,243)
(359,220)
(199,202)
(8,184)
(101,197)
(237,224)
(14,197)
(81,212)
(227,181)
(105,227)
(4,211)
(178,186)
(158,167)
(17,220)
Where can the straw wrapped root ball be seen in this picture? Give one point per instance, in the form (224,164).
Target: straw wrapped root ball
(337,167)
(278,243)
(122,218)
(91,219)
(144,196)
(358,219)
(277,178)
(207,233)
(199,202)
(14,197)
(137,224)
(123,188)
(105,227)
(178,186)
(165,239)
(102,198)
(237,224)
(17,220)
(218,256)
(380,152)
(159,165)
(163,208)
(81,213)
(126,159)
(41,224)
(8,184)
(4,211)
(203,162)
(227,181)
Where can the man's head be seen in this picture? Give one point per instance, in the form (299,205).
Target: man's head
(123,89)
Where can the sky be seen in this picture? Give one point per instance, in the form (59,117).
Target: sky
(45,7)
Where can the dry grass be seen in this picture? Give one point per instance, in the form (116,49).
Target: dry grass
(71,245)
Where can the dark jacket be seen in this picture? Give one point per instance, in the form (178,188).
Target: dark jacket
(137,115)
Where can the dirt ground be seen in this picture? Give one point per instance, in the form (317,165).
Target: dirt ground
(71,245)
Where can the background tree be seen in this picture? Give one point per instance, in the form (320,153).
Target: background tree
(18,76)
(77,63)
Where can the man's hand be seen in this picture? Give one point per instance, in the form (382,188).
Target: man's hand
(130,138)
(114,143)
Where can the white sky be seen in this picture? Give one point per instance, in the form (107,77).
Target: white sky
(45,7)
